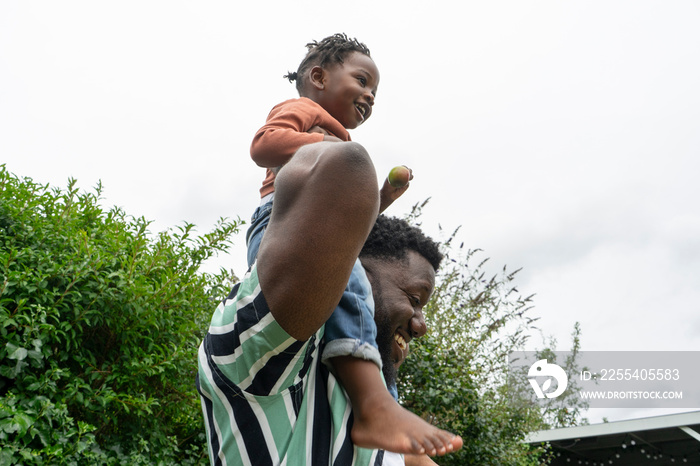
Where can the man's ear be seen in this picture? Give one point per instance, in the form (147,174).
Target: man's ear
(317,77)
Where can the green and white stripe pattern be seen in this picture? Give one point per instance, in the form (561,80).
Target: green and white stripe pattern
(266,398)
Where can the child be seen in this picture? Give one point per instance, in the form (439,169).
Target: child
(337,82)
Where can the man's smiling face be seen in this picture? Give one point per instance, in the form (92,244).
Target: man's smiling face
(401,288)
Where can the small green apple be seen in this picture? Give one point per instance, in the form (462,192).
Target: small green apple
(399,176)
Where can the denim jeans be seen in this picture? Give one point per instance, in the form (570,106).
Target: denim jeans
(258,224)
(350,330)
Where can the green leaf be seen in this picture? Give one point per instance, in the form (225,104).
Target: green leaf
(9,426)
(24,422)
(15,352)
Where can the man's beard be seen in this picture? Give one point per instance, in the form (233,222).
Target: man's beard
(385,338)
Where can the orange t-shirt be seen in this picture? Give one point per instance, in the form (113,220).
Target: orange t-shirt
(285,131)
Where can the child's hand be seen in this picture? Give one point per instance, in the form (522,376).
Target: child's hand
(326,136)
(388,193)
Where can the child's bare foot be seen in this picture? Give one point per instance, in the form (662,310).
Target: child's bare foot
(380,422)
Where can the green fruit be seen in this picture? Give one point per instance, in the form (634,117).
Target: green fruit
(399,176)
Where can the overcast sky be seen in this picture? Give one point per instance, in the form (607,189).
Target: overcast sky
(562,136)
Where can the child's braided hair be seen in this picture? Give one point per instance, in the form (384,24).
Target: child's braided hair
(331,50)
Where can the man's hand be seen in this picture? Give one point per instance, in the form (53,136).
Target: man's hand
(388,194)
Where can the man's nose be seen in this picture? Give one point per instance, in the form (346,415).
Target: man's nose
(418,327)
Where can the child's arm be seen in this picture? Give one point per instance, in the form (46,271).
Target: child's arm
(388,193)
(283,134)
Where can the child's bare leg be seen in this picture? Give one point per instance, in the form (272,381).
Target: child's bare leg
(379,421)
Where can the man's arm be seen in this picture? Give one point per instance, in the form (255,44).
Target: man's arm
(326,201)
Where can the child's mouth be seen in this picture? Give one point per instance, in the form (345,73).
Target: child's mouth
(361,110)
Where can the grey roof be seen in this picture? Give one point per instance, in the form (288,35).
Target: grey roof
(672,439)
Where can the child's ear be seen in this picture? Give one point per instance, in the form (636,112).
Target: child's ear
(317,77)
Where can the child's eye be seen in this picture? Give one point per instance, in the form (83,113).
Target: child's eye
(362,80)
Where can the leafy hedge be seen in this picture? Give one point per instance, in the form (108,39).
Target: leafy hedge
(99,327)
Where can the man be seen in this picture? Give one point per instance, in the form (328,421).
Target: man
(267,398)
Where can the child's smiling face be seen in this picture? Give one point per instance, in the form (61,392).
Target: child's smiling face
(347,90)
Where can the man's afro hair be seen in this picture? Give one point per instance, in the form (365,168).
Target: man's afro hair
(392,238)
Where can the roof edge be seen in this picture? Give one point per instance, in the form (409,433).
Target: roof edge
(615,427)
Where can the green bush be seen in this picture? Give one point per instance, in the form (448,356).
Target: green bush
(99,327)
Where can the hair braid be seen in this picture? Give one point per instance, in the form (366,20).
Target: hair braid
(331,50)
